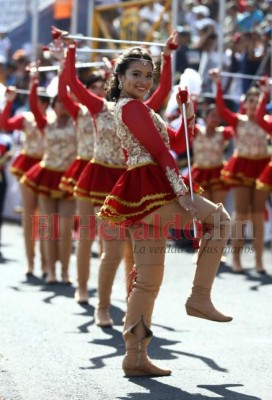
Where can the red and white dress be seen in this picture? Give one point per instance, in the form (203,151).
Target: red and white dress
(264,181)
(208,152)
(108,164)
(152,178)
(60,150)
(251,153)
(32,144)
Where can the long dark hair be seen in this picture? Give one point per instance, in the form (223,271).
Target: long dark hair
(122,64)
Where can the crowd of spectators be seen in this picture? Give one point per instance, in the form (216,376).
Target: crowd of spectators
(247,39)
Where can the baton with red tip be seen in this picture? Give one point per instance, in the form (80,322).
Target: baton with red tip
(183,96)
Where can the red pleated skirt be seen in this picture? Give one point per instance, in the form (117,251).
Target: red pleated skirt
(96,182)
(72,174)
(22,163)
(208,178)
(138,192)
(44,181)
(241,171)
(264,182)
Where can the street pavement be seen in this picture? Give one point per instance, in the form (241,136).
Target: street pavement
(50,348)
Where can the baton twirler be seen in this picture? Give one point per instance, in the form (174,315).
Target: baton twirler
(183,96)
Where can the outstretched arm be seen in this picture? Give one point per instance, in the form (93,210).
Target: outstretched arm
(33,105)
(11,123)
(165,85)
(71,106)
(261,109)
(227,115)
(90,100)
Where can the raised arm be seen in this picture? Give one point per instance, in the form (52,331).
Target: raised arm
(146,133)
(261,108)
(91,101)
(165,85)
(34,107)
(71,106)
(9,123)
(227,115)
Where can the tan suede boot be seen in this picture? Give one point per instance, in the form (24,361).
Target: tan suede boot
(83,270)
(136,362)
(137,333)
(214,239)
(258,241)
(109,263)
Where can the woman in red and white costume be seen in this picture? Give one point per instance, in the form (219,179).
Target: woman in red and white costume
(84,209)
(56,206)
(108,164)
(208,144)
(264,181)
(151,193)
(30,154)
(241,172)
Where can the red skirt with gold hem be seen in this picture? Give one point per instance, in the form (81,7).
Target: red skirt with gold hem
(208,178)
(264,182)
(22,163)
(96,182)
(44,181)
(242,171)
(72,174)
(137,193)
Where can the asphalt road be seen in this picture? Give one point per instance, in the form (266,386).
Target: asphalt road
(50,348)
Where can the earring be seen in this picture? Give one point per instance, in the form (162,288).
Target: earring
(120,85)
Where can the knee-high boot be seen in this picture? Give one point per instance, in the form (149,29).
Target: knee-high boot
(129,262)
(107,270)
(258,240)
(214,239)
(137,333)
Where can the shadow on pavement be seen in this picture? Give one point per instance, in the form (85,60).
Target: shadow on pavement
(162,391)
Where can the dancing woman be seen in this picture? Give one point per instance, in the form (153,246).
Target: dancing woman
(241,172)
(56,206)
(208,144)
(107,165)
(264,181)
(30,154)
(152,193)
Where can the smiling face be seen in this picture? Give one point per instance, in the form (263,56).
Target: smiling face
(137,80)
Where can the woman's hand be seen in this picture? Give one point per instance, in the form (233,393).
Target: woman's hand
(264,84)
(171,44)
(215,75)
(11,93)
(188,205)
(183,97)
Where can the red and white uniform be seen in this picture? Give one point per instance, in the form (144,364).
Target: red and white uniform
(251,152)
(108,163)
(152,178)
(60,150)
(33,140)
(264,181)
(208,153)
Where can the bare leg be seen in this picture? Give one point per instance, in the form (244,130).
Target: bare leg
(66,213)
(242,199)
(258,209)
(113,252)
(49,210)
(29,203)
